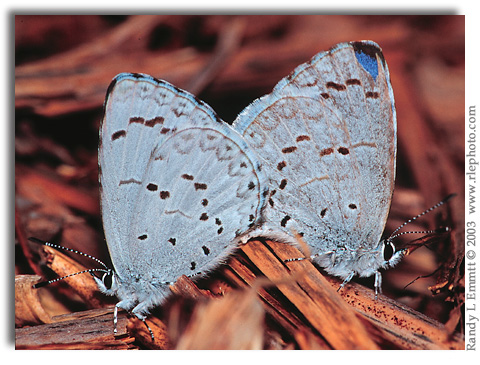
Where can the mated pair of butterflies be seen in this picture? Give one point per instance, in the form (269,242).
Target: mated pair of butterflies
(181,189)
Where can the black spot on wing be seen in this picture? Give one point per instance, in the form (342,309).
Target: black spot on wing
(154,121)
(334,85)
(284,221)
(343,150)
(187,177)
(200,186)
(289,149)
(372,95)
(138,120)
(353,82)
(118,134)
(326,151)
(303,138)
(152,187)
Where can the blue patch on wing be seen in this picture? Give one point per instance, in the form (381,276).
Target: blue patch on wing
(368,63)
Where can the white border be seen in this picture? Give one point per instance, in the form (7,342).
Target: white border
(9,7)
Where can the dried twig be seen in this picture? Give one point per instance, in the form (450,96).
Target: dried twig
(297,298)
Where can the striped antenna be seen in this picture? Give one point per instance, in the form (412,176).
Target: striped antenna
(105,270)
(438,230)
(36,240)
(43,283)
(439,204)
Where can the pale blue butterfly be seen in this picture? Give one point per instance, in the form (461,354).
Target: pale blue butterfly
(180,189)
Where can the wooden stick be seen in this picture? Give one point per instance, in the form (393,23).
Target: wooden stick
(302,305)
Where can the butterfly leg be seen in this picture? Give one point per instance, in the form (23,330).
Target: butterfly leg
(115,319)
(312,257)
(193,275)
(139,311)
(295,259)
(123,304)
(378,284)
(149,329)
(347,279)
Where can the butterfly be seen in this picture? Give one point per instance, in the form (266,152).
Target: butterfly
(181,189)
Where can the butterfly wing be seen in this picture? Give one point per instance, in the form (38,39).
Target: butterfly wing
(326,139)
(177,184)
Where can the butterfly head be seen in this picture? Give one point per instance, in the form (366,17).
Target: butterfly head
(385,255)
(108,282)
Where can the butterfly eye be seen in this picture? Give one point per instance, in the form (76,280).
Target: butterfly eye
(388,250)
(107,280)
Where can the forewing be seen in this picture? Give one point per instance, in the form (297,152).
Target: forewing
(326,139)
(177,184)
